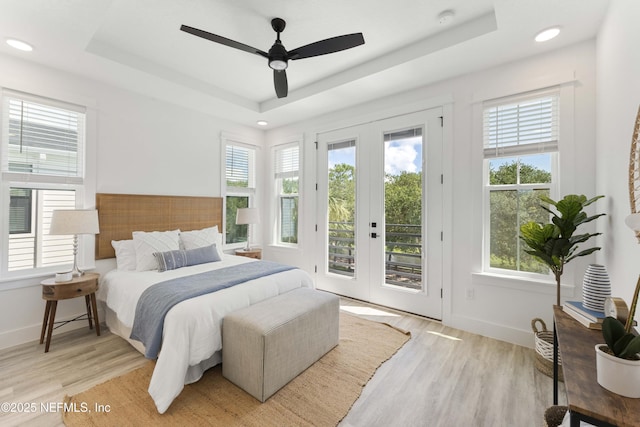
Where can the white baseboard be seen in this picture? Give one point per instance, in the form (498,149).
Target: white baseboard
(32,333)
(493,330)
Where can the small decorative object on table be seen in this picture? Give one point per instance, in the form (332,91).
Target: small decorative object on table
(617,308)
(596,286)
(64,277)
(592,319)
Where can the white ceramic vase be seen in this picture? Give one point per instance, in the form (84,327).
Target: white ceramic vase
(596,286)
(620,376)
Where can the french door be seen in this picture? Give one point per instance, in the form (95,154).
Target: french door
(380,212)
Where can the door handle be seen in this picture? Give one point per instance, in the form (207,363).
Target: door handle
(374,235)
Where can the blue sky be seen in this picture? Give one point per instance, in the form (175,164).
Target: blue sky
(400,155)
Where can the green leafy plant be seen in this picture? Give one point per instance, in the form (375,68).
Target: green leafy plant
(555,243)
(619,338)
(623,344)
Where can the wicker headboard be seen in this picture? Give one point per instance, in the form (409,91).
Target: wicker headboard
(122,214)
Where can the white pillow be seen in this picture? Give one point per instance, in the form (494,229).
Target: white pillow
(200,238)
(125,254)
(146,243)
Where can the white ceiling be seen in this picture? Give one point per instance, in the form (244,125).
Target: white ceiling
(137,45)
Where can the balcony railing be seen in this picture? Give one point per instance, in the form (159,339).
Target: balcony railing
(403,253)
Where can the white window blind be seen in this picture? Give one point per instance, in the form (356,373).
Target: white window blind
(287,162)
(237,166)
(403,134)
(523,126)
(42,139)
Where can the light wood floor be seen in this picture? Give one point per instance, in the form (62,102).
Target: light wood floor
(441,377)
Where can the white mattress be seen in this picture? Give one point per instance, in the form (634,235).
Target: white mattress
(192,335)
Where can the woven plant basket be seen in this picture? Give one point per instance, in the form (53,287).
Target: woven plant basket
(544,349)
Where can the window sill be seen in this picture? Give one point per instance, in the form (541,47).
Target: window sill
(525,284)
(26,281)
(283,247)
(33,278)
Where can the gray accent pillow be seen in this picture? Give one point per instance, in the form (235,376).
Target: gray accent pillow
(171,260)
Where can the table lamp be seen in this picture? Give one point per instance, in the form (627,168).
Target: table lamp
(74,222)
(247,216)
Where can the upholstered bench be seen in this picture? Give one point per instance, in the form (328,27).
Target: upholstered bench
(266,345)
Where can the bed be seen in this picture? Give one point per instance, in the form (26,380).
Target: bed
(192,333)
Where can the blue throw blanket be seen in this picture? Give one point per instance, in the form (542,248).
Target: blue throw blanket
(156,301)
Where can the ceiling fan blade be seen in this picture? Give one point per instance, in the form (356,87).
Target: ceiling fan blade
(322,47)
(280,82)
(222,40)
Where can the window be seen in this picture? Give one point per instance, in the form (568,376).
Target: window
(239,187)
(520,138)
(42,169)
(287,172)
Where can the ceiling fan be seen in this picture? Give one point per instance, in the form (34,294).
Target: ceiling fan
(278,56)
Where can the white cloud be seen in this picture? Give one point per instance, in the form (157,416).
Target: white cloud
(400,157)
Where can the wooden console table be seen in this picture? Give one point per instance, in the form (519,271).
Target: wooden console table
(587,400)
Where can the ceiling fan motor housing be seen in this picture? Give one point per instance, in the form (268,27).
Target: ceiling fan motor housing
(278,56)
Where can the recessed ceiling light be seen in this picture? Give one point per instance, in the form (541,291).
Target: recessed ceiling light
(20,45)
(547,34)
(262,122)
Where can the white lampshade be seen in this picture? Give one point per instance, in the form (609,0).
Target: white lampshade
(73,222)
(247,216)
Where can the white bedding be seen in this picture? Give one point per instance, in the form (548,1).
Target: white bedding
(192,335)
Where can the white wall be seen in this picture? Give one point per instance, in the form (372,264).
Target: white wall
(618,81)
(142,146)
(148,146)
(501,308)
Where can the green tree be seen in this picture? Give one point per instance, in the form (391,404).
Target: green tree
(509,209)
(403,207)
(289,209)
(341,210)
(507,173)
(342,190)
(236,232)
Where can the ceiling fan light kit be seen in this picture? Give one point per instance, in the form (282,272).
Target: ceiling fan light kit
(278,57)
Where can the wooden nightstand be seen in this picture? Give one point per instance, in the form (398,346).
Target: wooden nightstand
(52,291)
(251,253)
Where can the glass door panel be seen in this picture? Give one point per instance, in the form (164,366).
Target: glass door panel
(341,207)
(403,194)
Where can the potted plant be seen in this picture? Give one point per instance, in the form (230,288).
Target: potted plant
(555,243)
(617,361)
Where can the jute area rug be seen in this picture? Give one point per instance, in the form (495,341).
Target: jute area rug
(320,396)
